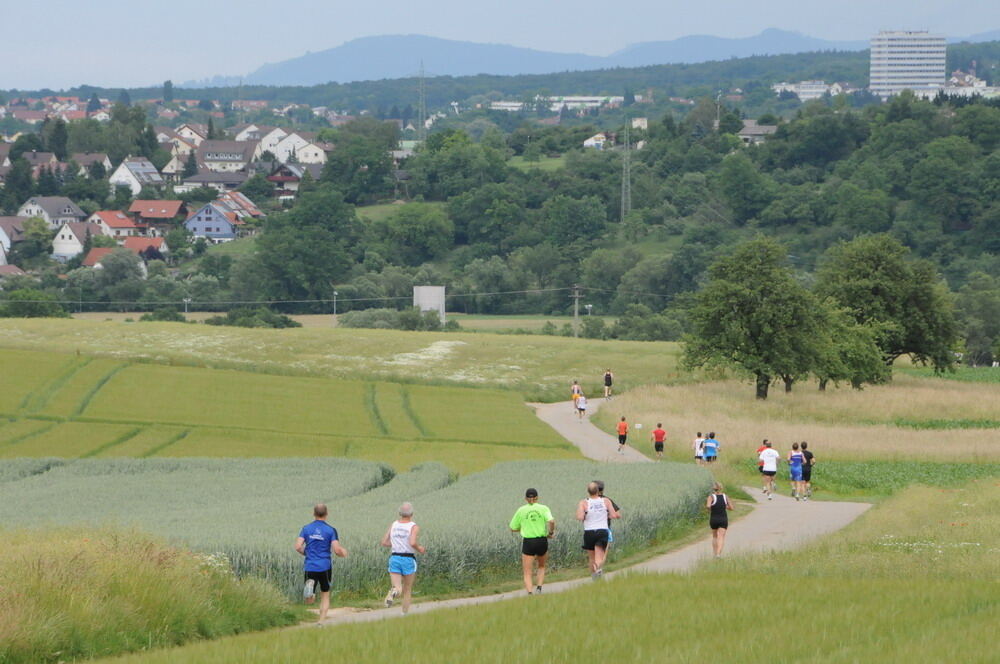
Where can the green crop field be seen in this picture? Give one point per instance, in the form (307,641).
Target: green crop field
(71,406)
(250,510)
(847,598)
(537,367)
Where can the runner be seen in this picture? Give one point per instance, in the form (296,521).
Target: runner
(401,538)
(575,391)
(622,435)
(699,450)
(770,468)
(600,492)
(595,512)
(317,540)
(535,523)
(807,468)
(718,521)
(760,465)
(711,446)
(795,460)
(658,435)
(581,407)
(608,380)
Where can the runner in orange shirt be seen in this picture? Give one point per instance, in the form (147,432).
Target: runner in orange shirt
(622,435)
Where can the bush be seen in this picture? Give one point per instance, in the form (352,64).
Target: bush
(163,314)
(249,317)
(119,592)
(390,319)
(30,303)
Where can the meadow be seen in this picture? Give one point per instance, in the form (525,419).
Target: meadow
(77,407)
(249,510)
(848,598)
(537,367)
(73,593)
(912,418)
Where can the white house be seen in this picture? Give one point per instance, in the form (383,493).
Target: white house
(136,173)
(193,133)
(269,141)
(226,156)
(86,159)
(69,240)
(113,223)
(303,146)
(3,255)
(596,142)
(55,210)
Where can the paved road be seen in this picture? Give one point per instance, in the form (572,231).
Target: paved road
(779,524)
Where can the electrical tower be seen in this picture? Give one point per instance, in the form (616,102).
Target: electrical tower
(422,107)
(626,175)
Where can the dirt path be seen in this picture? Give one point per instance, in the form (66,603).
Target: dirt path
(777,525)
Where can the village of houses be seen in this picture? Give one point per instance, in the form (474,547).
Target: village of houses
(283,156)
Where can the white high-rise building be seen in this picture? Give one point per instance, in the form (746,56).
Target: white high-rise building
(904,60)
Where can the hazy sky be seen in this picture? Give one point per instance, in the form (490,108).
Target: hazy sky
(60,43)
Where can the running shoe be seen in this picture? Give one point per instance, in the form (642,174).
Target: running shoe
(390,597)
(310,589)
(600,573)
(770,497)
(538,590)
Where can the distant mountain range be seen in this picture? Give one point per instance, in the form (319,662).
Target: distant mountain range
(400,56)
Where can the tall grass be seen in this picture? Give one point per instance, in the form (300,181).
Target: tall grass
(916,579)
(73,593)
(881,422)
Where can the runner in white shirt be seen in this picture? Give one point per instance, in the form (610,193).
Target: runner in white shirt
(401,539)
(699,453)
(770,458)
(581,407)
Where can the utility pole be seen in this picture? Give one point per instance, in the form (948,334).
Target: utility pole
(626,175)
(422,107)
(576,309)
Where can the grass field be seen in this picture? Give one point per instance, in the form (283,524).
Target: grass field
(847,598)
(73,593)
(71,406)
(965,374)
(910,418)
(209,505)
(539,368)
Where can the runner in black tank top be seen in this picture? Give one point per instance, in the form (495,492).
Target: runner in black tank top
(718,519)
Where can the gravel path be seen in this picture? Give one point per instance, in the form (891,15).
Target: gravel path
(776,525)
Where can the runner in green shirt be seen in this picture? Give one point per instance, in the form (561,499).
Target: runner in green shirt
(535,523)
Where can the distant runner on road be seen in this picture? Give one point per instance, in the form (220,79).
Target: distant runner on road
(401,539)
(807,468)
(770,468)
(596,513)
(795,461)
(718,520)
(711,448)
(658,436)
(622,435)
(575,393)
(609,378)
(699,450)
(535,523)
(316,541)
(581,407)
(760,465)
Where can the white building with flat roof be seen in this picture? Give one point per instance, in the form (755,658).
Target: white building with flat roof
(906,60)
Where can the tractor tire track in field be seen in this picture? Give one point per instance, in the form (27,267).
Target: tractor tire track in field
(404,393)
(371,404)
(35,401)
(128,435)
(89,396)
(153,451)
(777,525)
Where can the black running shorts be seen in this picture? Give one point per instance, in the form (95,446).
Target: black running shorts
(322,579)
(535,546)
(595,538)
(658,446)
(807,472)
(716,522)
(770,473)
(622,438)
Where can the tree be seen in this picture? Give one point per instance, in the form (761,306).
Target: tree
(57,138)
(753,315)
(168,91)
(746,190)
(19,185)
(36,243)
(876,281)
(123,98)
(850,353)
(30,303)
(94,104)
(415,234)
(212,134)
(190,165)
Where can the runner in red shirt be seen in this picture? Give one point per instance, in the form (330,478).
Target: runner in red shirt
(658,436)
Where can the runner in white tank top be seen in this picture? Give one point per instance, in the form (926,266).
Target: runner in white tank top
(595,512)
(401,539)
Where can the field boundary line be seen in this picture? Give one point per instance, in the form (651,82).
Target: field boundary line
(128,435)
(102,381)
(371,404)
(404,394)
(176,438)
